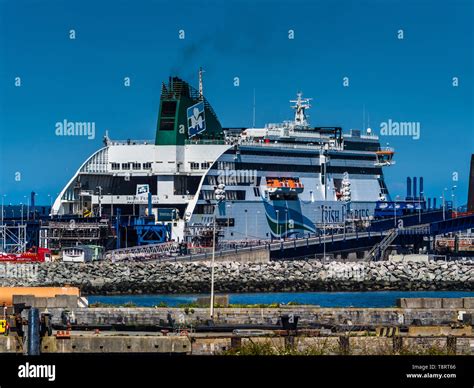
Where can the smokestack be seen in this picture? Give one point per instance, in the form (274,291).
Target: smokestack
(408,187)
(421,187)
(415,194)
(470,194)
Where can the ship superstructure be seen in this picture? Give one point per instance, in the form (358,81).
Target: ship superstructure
(282,180)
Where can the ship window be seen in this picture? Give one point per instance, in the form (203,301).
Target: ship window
(226,165)
(136,166)
(204,209)
(194,166)
(168,108)
(205,165)
(115,166)
(125,166)
(210,180)
(147,166)
(256,191)
(186,185)
(166,124)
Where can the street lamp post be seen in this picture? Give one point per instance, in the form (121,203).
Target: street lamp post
(3,197)
(324,231)
(444,204)
(286,223)
(27,207)
(256,223)
(315,220)
(4,237)
(395,210)
(99,189)
(111,205)
(419,207)
(278,222)
(219,194)
(453,197)
(228,216)
(246,225)
(50,205)
(21,212)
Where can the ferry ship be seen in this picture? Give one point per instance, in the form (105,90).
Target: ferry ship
(283,180)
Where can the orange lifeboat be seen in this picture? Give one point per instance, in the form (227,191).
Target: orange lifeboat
(284,185)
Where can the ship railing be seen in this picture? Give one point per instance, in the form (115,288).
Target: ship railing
(288,145)
(204,141)
(131,142)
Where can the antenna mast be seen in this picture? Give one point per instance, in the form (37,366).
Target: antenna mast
(253,121)
(201,92)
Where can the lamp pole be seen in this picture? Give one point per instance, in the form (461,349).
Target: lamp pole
(3,197)
(99,188)
(278,222)
(453,197)
(315,220)
(395,210)
(27,207)
(324,231)
(246,225)
(219,194)
(419,207)
(256,223)
(50,205)
(286,223)
(228,217)
(4,237)
(444,204)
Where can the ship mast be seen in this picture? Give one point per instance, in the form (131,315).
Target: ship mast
(201,92)
(301,104)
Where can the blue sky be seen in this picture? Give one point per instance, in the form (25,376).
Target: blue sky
(82,79)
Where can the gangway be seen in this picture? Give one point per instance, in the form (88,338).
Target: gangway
(144,252)
(379,249)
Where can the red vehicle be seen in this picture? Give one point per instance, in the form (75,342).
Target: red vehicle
(33,254)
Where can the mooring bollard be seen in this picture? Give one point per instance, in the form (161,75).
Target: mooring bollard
(344,347)
(33,340)
(451,343)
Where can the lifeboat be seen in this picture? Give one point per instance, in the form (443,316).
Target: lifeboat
(385,157)
(284,185)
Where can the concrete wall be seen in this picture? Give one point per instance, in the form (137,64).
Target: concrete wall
(59,301)
(264,316)
(117,344)
(436,303)
(213,345)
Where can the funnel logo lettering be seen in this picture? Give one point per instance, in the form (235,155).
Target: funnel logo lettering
(196,119)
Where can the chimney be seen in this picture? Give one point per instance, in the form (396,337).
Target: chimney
(415,194)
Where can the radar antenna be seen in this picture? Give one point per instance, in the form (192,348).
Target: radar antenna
(301,104)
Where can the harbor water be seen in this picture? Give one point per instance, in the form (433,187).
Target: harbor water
(323,299)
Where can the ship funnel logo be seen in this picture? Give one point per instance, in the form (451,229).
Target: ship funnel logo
(196,119)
